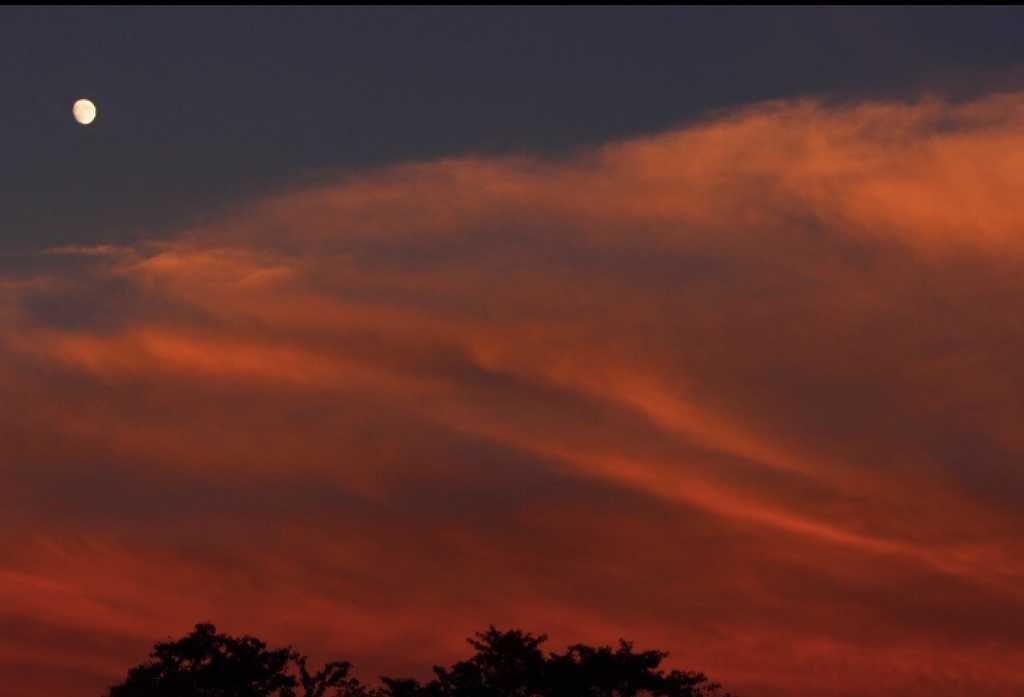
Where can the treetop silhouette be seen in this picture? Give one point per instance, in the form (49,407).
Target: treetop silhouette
(506,664)
(207,664)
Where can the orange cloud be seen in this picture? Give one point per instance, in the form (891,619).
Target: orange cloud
(747,391)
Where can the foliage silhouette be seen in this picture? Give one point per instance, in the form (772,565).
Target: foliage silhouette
(511,664)
(506,664)
(207,664)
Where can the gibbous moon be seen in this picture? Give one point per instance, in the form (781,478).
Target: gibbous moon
(84,111)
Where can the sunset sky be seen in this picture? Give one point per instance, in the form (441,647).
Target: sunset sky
(362,330)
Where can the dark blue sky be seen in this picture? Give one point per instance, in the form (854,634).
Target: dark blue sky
(198,107)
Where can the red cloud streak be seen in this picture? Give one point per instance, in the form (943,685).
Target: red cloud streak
(750,392)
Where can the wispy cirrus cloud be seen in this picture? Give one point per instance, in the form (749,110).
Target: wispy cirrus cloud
(748,390)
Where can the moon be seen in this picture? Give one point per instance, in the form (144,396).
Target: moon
(84,111)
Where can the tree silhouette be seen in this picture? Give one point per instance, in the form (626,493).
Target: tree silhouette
(511,664)
(506,664)
(584,671)
(207,664)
